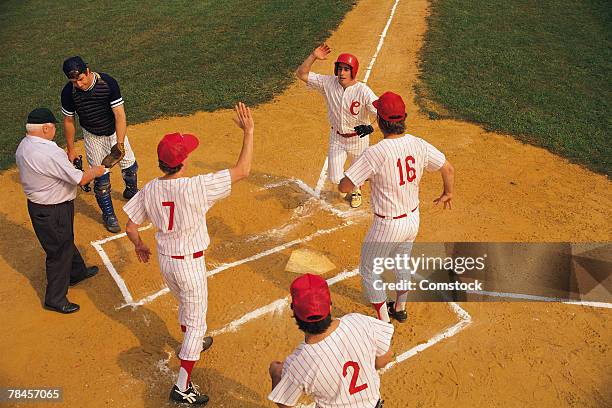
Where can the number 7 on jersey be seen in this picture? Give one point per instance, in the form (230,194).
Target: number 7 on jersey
(171,220)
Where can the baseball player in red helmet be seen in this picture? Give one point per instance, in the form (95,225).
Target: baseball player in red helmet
(177,206)
(349,104)
(394,167)
(337,361)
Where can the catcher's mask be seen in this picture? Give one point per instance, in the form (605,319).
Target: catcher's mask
(350,60)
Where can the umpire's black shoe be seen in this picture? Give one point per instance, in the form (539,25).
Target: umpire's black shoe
(67,308)
(191,396)
(401,316)
(89,272)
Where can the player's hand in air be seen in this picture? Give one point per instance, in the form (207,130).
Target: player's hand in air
(321,52)
(244,118)
(142,252)
(445,198)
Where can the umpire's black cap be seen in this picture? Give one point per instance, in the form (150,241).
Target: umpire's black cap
(74,66)
(41,116)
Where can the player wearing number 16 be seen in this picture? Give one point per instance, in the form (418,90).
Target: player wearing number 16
(394,167)
(177,206)
(337,361)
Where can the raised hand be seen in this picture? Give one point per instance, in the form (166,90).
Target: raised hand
(321,52)
(244,118)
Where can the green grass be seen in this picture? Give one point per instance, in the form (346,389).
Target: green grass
(537,69)
(169,57)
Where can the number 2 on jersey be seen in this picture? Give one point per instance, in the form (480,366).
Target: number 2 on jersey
(410,171)
(171,220)
(353,387)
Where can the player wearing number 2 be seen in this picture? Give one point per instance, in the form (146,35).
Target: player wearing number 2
(177,206)
(394,167)
(337,361)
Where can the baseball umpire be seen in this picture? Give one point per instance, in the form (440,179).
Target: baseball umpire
(337,361)
(96,99)
(49,182)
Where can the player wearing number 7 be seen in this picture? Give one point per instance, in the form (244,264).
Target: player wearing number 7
(337,361)
(394,167)
(177,206)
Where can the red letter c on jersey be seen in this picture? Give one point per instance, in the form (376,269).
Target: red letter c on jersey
(354,105)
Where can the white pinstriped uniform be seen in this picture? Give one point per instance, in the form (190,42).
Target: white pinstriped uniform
(97,147)
(178,209)
(339,371)
(346,108)
(394,168)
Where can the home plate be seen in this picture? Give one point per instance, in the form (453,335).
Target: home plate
(309,261)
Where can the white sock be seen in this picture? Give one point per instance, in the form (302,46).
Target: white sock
(181,382)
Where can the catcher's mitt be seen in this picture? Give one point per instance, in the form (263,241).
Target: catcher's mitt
(363,130)
(116,154)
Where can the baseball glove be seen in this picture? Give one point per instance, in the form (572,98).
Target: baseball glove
(116,154)
(363,130)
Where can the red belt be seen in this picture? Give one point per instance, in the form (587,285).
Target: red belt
(346,134)
(398,217)
(196,255)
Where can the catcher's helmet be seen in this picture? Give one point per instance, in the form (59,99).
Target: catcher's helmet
(350,60)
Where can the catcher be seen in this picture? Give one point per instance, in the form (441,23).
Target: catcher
(96,99)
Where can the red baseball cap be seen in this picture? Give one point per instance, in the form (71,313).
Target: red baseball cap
(311,301)
(174,148)
(390,107)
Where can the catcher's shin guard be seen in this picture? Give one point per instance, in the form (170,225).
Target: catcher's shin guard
(130,176)
(102,188)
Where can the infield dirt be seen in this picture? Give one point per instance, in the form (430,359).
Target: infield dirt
(512,355)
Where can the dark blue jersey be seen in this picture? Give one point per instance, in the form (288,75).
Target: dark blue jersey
(95,105)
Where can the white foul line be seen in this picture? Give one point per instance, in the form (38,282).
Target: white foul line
(536,298)
(322,176)
(380,43)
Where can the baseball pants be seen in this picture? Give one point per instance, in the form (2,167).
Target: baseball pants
(386,238)
(54,228)
(339,149)
(98,147)
(186,279)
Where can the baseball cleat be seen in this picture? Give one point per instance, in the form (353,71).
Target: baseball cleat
(191,396)
(401,316)
(111,223)
(356,199)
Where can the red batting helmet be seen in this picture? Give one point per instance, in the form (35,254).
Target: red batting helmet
(350,60)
